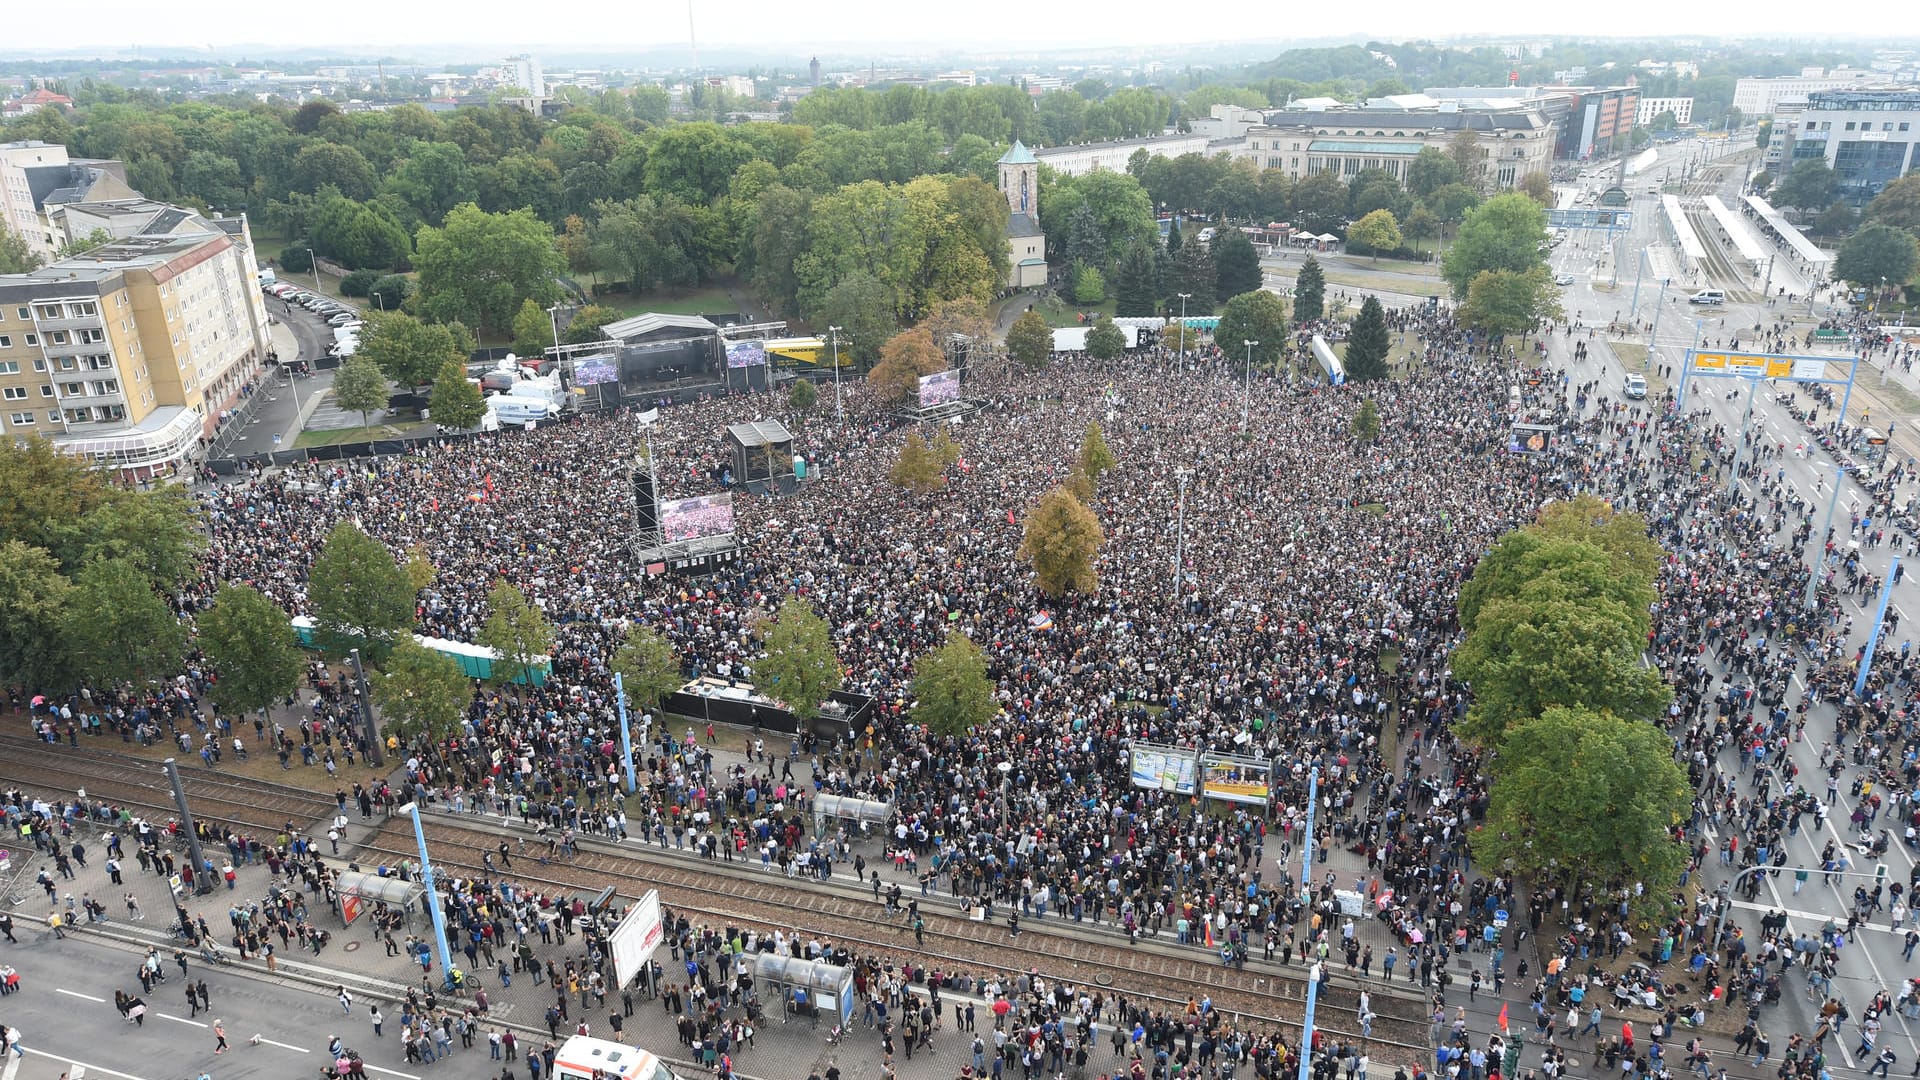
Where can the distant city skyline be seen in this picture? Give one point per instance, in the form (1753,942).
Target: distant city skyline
(484,27)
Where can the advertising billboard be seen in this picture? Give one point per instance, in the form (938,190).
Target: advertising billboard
(742,354)
(1234,779)
(1530,439)
(637,936)
(939,388)
(594,370)
(691,519)
(1162,768)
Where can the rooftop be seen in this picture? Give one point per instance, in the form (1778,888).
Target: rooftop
(1018,154)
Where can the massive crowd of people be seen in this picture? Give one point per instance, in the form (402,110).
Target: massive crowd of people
(1307,626)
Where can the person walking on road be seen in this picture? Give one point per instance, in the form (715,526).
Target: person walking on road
(219,1036)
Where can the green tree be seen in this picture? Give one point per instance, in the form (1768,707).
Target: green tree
(1506,232)
(586,324)
(1192,272)
(1030,340)
(1877,255)
(1174,239)
(1452,202)
(455,403)
(800,666)
(1898,205)
(1836,220)
(1508,302)
(1310,292)
(532,329)
(648,667)
(15,256)
(1236,262)
(156,532)
(1256,316)
(1366,422)
(390,292)
(517,631)
(1105,340)
(1061,541)
(45,496)
(1421,225)
(361,597)
(253,649)
(1095,457)
(359,283)
(951,690)
(857,304)
(33,605)
(1622,535)
(479,267)
(1430,170)
(1368,343)
(1136,282)
(119,629)
(360,386)
(1089,284)
(1581,796)
(408,351)
(802,395)
(1809,185)
(433,179)
(421,694)
(1378,231)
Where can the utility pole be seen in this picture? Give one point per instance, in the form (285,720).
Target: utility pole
(1246,401)
(314,265)
(1820,541)
(1180,528)
(201,883)
(412,810)
(375,752)
(553,320)
(839,406)
(1184,297)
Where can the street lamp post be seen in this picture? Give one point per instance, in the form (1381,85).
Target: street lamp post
(1184,297)
(1246,400)
(553,320)
(1879,619)
(839,405)
(1180,529)
(1820,541)
(412,810)
(314,265)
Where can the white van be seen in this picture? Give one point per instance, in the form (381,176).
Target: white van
(585,1058)
(1712,297)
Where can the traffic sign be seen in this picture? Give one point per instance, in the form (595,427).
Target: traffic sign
(1762,365)
(1500,919)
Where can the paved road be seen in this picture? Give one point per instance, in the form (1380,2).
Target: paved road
(276,417)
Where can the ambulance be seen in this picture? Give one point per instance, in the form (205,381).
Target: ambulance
(584,1058)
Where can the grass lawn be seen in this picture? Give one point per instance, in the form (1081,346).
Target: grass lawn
(1059,313)
(711,300)
(355,435)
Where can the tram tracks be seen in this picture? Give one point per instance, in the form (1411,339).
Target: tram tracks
(741,894)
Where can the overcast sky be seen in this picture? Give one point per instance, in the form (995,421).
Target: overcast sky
(367,25)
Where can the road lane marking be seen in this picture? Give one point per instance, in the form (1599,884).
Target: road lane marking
(285,1046)
(390,1072)
(180,1020)
(82,1064)
(78,994)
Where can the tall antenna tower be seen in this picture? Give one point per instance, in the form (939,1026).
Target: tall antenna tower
(692,41)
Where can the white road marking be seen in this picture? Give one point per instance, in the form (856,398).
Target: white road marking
(285,1046)
(82,1064)
(390,1072)
(78,994)
(180,1020)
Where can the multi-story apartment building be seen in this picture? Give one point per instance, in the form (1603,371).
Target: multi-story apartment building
(36,176)
(1869,137)
(1652,107)
(1757,98)
(128,354)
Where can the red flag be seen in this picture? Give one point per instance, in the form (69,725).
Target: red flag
(1503,1018)
(1010,519)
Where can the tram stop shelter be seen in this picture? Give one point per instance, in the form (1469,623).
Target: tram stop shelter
(355,892)
(863,812)
(804,986)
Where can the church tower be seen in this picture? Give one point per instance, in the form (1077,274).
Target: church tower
(1020,182)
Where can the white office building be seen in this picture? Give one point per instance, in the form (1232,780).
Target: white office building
(1759,97)
(1652,107)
